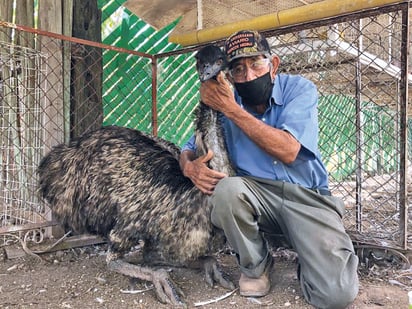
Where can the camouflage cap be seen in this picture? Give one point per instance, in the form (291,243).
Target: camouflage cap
(246,43)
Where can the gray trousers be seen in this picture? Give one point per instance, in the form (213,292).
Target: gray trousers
(244,207)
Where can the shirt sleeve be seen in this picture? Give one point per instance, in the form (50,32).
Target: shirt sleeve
(190,144)
(299,116)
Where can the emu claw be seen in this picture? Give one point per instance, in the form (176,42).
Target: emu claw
(214,274)
(166,291)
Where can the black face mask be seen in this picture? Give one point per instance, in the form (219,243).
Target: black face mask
(257,91)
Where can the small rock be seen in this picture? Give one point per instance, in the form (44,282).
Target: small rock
(99,300)
(101,280)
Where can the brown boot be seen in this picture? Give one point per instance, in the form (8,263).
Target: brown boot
(256,287)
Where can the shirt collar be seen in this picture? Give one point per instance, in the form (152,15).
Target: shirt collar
(277,92)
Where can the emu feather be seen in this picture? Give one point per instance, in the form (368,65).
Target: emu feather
(127,186)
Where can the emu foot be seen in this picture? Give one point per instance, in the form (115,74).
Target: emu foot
(166,290)
(214,273)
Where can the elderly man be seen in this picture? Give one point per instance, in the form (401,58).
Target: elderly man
(271,131)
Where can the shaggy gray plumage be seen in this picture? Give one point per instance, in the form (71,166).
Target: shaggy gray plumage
(127,186)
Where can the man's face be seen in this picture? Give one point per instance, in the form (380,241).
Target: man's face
(249,68)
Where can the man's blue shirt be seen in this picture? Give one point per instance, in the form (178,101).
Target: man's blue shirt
(293,108)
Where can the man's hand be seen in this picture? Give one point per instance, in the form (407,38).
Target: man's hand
(204,178)
(217,94)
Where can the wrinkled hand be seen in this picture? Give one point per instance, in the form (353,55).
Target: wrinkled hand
(204,178)
(217,94)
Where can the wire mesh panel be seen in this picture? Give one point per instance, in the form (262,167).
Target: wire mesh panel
(356,66)
(219,12)
(22,84)
(48,96)
(64,87)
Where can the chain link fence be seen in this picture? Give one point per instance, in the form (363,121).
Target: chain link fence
(63,87)
(360,70)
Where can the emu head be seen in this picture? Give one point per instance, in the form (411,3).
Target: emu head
(210,60)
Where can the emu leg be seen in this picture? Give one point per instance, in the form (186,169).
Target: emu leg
(210,266)
(166,291)
(213,272)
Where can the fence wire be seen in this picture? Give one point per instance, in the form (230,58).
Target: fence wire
(358,64)
(22,81)
(357,67)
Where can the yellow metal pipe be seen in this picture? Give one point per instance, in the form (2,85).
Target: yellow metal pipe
(305,13)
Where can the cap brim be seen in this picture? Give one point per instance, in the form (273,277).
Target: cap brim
(250,54)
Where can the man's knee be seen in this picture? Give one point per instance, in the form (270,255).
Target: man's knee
(226,199)
(223,196)
(228,187)
(342,297)
(334,296)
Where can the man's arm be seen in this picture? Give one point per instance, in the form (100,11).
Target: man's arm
(277,143)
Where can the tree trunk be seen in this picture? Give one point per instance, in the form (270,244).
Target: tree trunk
(87,69)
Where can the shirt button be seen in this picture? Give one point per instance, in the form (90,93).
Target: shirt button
(275,162)
(263,119)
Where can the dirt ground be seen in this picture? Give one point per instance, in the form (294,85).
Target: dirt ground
(78,278)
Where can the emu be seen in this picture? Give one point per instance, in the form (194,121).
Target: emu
(127,186)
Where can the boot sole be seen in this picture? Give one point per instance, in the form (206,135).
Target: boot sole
(254,294)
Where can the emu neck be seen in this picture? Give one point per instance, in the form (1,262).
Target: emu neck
(209,136)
